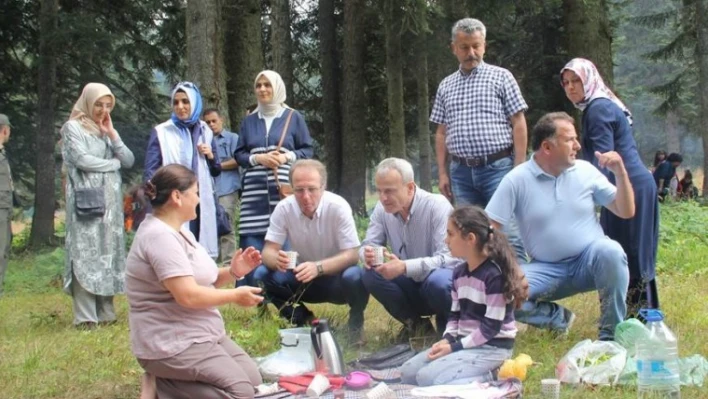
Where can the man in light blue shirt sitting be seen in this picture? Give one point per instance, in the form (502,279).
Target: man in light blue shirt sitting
(415,280)
(553,198)
(228,183)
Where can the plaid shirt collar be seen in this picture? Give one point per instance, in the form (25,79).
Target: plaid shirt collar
(482,65)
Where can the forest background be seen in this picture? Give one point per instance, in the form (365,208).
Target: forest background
(363,72)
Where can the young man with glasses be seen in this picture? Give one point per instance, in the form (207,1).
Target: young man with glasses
(320,227)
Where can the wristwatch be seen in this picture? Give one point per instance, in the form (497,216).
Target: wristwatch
(320,270)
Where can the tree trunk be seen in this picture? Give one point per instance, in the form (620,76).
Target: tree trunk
(353,183)
(588,34)
(702,55)
(42,232)
(244,55)
(331,118)
(281,45)
(421,71)
(205,53)
(394,73)
(673,137)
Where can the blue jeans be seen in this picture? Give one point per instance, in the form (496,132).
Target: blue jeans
(462,367)
(475,186)
(602,266)
(257,241)
(345,288)
(405,299)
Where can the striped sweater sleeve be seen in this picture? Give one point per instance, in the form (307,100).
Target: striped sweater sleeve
(490,324)
(453,319)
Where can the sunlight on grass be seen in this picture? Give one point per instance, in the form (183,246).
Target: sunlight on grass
(43,356)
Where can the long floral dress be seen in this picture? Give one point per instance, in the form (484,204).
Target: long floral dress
(95,246)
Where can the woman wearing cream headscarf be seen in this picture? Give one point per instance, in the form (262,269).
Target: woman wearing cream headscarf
(93,155)
(256,151)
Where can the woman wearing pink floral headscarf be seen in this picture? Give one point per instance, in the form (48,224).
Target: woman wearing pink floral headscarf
(607,126)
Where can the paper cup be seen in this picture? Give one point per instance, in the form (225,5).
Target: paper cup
(378,256)
(381,391)
(318,386)
(551,388)
(292,256)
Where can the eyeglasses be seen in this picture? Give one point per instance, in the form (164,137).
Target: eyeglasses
(309,190)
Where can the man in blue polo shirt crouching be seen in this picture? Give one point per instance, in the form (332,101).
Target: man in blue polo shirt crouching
(553,198)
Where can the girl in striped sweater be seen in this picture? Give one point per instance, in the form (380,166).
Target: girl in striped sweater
(480,330)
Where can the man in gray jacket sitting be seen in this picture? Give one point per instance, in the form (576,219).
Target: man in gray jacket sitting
(415,277)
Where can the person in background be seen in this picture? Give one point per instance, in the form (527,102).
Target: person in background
(228,183)
(93,155)
(607,126)
(188,141)
(258,141)
(665,172)
(687,190)
(659,157)
(176,332)
(6,199)
(480,330)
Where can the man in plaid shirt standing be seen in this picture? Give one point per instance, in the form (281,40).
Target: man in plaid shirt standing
(481,124)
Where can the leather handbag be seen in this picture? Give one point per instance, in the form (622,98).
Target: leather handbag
(284,189)
(90,202)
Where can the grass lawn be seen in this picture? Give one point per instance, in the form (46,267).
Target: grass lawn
(42,356)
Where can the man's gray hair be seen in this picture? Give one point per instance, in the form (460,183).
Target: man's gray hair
(403,167)
(310,163)
(469,26)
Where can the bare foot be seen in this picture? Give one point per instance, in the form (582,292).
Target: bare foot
(147,387)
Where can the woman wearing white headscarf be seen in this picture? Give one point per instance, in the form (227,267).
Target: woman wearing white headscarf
(607,126)
(256,151)
(93,154)
(187,140)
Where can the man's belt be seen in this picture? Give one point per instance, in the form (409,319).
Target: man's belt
(484,160)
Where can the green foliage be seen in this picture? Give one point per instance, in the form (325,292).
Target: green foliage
(676,24)
(362,224)
(36,273)
(683,238)
(662,89)
(126,45)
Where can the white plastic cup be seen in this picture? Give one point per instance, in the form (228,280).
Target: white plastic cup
(378,256)
(292,257)
(381,391)
(551,388)
(318,386)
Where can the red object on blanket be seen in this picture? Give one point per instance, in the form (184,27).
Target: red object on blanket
(298,384)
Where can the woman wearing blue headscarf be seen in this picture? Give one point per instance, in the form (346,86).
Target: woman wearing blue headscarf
(186,140)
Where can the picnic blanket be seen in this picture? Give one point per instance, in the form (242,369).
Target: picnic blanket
(401,390)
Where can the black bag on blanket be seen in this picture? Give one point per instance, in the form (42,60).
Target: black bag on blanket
(387,358)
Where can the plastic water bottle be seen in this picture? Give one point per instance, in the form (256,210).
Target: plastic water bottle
(657,360)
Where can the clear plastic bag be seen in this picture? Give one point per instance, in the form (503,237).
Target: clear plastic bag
(293,358)
(596,363)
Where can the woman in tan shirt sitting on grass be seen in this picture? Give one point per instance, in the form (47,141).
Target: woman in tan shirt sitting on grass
(176,332)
